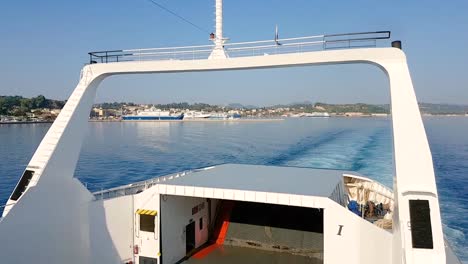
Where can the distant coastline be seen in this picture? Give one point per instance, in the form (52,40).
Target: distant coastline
(20,110)
(217,120)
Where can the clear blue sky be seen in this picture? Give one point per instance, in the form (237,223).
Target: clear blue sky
(45,43)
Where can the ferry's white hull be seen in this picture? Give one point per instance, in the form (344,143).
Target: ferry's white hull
(52,218)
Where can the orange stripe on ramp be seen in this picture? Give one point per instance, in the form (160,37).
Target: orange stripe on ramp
(206,251)
(222,232)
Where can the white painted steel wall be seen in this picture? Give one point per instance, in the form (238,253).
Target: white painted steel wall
(148,242)
(357,242)
(246,196)
(49,227)
(111,229)
(67,227)
(59,150)
(176,213)
(58,153)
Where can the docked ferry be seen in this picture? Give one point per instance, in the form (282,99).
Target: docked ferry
(196,115)
(153,114)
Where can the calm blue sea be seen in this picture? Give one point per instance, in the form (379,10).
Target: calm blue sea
(119,153)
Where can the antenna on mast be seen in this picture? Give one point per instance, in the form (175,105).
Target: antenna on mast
(217,37)
(277,36)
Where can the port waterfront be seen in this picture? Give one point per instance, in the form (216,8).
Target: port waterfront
(45,110)
(46,115)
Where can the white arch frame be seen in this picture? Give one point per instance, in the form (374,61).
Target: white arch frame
(414,178)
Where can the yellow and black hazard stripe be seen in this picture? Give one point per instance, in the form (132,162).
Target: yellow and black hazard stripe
(146,212)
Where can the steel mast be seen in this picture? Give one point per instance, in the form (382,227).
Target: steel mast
(218,51)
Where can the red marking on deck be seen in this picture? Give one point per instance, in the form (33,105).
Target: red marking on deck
(222,233)
(221,230)
(206,251)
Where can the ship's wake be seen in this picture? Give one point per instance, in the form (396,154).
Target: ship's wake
(367,152)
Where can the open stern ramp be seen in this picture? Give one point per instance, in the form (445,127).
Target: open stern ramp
(294,213)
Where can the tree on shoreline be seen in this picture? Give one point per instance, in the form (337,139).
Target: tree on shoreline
(19,106)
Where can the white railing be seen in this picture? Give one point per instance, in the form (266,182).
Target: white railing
(245,49)
(138,187)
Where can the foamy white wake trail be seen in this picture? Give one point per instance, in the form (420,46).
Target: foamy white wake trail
(367,151)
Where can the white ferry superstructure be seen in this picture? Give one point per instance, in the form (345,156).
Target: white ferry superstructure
(231,213)
(196,115)
(153,114)
(313,114)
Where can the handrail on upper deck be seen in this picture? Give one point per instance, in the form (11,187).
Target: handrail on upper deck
(245,49)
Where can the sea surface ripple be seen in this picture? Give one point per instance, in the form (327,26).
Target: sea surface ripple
(115,154)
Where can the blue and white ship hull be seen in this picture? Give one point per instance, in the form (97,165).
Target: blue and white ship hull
(151,118)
